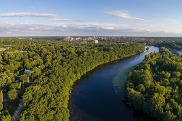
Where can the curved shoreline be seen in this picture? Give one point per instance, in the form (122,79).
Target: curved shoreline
(86,91)
(94,68)
(153,99)
(100,66)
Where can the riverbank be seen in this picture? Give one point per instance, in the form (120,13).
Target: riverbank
(100,66)
(94,97)
(154,86)
(63,66)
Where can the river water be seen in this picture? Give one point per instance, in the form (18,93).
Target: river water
(98,95)
(180,52)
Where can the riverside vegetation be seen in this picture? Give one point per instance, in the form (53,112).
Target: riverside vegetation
(42,73)
(155,86)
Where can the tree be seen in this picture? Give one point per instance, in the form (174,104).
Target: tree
(37,71)
(5,116)
(147,48)
(141,88)
(12,94)
(1,100)
(56,66)
(158,86)
(24,78)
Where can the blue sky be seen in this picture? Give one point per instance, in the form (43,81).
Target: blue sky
(90,18)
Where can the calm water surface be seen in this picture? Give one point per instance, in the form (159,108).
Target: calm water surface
(98,95)
(180,52)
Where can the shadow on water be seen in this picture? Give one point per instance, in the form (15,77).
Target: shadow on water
(97,96)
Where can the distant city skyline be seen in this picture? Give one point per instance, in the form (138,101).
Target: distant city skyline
(91,18)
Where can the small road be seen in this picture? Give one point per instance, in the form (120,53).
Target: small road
(17,112)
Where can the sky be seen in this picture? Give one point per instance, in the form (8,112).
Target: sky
(91,18)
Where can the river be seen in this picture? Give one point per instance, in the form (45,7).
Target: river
(180,52)
(98,95)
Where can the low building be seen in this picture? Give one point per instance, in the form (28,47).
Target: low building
(2,49)
(83,42)
(96,41)
(8,47)
(66,38)
(28,71)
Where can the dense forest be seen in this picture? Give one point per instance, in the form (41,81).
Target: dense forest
(41,74)
(155,86)
(170,44)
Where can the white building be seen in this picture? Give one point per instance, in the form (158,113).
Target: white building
(28,71)
(95,41)
(67,38)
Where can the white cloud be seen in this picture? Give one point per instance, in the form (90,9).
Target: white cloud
(8,32)
(95,29)
(33,15)
(124,14)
